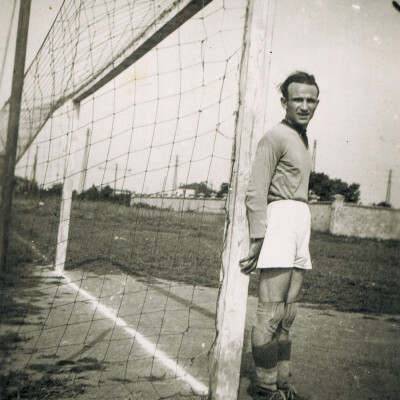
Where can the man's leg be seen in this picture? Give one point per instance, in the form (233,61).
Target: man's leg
(273,289)
(284,343)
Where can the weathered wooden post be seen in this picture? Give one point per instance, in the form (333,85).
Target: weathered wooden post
(227,349)
(9,159)
(67,191)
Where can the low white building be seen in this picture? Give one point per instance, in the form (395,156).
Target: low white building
(181,192)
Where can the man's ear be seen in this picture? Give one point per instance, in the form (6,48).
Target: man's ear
(284,102)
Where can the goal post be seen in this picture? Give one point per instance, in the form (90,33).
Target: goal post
(196,93)
(10,143)
(170,20)
(67,189)
(47,82)
(227,351)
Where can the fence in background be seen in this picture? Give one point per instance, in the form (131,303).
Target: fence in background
(344,219)
(336,217)
(215,206)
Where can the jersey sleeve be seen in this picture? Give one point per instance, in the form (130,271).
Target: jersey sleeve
(263,169)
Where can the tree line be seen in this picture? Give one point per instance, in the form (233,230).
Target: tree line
(320,185)
(25,187)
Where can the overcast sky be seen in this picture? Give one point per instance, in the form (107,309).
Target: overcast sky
(351,47)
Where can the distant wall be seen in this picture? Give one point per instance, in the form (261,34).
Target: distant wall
(320,216)
(183,204)
(344,219)
(365,222)
(337,217)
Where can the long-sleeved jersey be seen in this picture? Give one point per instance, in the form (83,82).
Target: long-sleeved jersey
(281,171)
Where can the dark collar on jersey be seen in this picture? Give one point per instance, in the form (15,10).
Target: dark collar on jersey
(299,129)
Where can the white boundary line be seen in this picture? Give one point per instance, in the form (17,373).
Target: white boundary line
(149,347)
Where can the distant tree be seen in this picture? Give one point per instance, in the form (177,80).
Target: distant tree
(325,188)
(90,194)
(384,204)
(106,193)
(223,189)
(22,186)
(54,190)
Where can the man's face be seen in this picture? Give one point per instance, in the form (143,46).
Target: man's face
(301,103)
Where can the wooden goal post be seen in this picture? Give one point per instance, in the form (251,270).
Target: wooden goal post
(231,313)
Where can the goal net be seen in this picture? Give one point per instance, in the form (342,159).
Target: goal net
(124,160)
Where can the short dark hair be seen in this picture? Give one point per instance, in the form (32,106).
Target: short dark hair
(297,77)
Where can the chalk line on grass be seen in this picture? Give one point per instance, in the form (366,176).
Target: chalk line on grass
(148,346)
(197,386)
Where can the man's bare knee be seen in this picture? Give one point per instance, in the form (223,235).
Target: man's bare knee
(269,317)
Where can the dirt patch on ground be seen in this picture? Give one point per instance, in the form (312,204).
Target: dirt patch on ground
(337,355)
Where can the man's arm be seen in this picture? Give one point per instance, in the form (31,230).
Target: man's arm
(265,162)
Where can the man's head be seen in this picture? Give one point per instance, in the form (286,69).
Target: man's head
(299,98)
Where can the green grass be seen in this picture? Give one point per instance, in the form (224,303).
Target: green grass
(19,298)
(354,274)
(348,274)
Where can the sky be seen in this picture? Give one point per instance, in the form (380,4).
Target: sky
(352,48)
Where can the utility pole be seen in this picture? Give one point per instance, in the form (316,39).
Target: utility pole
(27,163)
(115,174)
(115,178)
(59,166)
(314,155)
(33,177)
(175,181)
(389,187)
(12,130)
(164,185)
(85,161)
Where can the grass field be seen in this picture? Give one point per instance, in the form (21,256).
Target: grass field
(349,274)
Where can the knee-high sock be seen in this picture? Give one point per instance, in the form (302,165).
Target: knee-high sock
(265,359)
(285,345)
(283,362)
(264,344)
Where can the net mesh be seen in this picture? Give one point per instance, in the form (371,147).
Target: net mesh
(131,309)
(87,40)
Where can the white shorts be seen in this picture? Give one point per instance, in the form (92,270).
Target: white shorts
(287,237)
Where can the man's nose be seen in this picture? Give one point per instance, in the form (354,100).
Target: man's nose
(304,105)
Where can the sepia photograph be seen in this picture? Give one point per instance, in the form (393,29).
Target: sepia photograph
(200,199)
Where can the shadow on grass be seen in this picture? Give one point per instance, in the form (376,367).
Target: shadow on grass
(19,385)
(349,274)
(17,299)
(18,295)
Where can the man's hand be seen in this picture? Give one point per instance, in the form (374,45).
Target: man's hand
(249,263)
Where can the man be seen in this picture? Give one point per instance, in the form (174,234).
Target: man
(279,224)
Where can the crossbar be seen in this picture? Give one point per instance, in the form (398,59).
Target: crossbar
(170,26)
